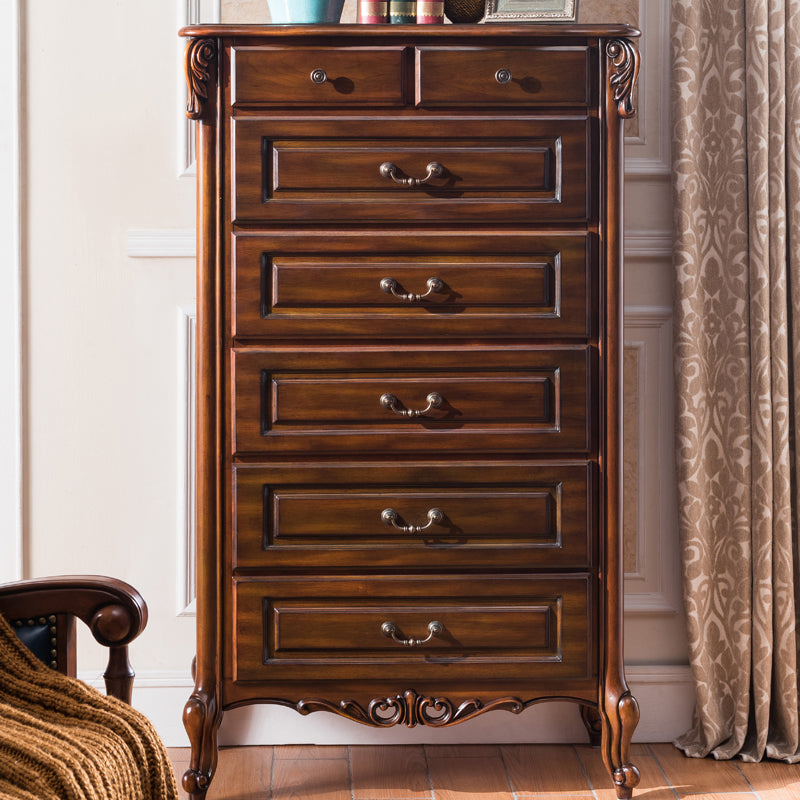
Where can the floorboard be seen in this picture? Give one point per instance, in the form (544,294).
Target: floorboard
(481,772)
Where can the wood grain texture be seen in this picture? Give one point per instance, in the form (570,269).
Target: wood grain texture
(501,515)
(653,786)
(545,770)
(400,773)
(318,400)
(244,772)
(700,778)
(535,171)
(460,778)
(389,773)
(542,76)
(311,779)
(368,76)
(309,751)
(772,780)
(298,627)
(538,284)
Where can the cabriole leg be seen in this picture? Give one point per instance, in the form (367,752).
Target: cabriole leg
(619,717)
(201,718)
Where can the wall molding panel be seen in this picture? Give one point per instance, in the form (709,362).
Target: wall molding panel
(11,450)
(654,587)
(187,531)
(648,154)
(161,243)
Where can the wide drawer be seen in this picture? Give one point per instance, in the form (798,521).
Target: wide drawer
(513,76)
(514,626)
(411,169)
(315,284)
(329,399)
(317,76)
(399,515)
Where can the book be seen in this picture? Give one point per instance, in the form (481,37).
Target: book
(372,11)
(430,12)
(402,12)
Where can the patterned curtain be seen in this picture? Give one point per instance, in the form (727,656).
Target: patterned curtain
(736,155)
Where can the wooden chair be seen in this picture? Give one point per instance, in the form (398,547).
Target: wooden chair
(43,613)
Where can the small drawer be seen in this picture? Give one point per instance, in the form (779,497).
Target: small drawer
(426,515)
(523,170)
(513,626)
(441,286)
(514,76)
(317,76)
(418,399)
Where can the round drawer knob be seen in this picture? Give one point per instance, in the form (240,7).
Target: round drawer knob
(503,76)
(319,76)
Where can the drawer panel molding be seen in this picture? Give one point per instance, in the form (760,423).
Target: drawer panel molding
(538,286)
(301,516)
(333,401)
(519,626)
(534,170)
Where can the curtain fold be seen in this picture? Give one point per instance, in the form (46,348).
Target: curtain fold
(736,165)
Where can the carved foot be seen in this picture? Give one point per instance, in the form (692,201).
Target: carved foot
(618,719)
(625,780)
(594,724)
(195,783)
(201,718)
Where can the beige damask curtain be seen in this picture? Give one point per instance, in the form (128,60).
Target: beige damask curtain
(736,155)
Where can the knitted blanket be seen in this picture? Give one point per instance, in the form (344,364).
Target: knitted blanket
(62,740)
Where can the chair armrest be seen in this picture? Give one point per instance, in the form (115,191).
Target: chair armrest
(112,609)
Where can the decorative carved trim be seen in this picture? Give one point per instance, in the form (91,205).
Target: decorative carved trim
(199,54)
(623,72)
(411,709)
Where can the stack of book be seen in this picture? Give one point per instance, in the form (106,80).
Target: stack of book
(401,12)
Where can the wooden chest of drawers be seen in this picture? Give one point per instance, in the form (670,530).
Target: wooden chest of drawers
(409,293)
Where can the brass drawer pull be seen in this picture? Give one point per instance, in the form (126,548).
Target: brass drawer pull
(390,629)
(503,76)
(390,517)
(390,401)
(390,286)
(319,76)
(389,170)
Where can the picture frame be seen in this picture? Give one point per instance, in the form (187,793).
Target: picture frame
(531,10)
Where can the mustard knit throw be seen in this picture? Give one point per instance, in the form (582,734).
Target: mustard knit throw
(62,740)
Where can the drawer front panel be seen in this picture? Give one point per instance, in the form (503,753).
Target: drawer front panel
(516,76)
(512,626)
(317,76)
(521,170)
(320,400)
(539,286)
(500,515)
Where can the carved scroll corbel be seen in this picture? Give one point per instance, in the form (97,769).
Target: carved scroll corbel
(199,55)
(623,56)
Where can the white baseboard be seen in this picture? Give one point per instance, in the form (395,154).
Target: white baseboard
(665,695)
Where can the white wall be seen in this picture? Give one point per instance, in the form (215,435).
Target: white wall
(105,334)
(101,117)
(10,298)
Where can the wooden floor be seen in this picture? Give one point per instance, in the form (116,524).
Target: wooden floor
(489,772)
